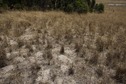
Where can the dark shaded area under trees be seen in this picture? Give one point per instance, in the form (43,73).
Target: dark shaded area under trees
(80,6)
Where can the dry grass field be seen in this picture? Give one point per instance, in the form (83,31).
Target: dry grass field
(58,48)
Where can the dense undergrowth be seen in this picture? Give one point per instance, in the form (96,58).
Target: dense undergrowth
(79,6)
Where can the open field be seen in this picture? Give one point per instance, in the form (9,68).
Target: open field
(58,48)
(111,1)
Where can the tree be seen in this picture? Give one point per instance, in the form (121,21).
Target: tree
(93,2)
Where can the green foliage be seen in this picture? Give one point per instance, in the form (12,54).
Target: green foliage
(1,2)
(91,4)
(35,8)
(80,6)
(18,6)
(99,8)
(69,8)
(4,6)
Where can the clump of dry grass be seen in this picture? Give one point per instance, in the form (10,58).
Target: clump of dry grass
(82,52)
(49,45)
(78,47)
(94,59)
(99,45)
(20,43)
(1,10)
(121,75)
(99,72)
(16,77)
(62,50)
(3,59)
(71,71)
(47,55)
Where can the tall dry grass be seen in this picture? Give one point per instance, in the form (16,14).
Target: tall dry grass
(99,39)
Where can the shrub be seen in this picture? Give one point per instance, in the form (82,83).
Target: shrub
(35,8)
(0,3)
(4,6)
(69,8)
(99,8)
(1,10)
(78,6)
(18,6)
(91,4)
(81,7)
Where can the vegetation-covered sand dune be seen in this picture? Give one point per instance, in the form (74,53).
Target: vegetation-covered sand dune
(58,48)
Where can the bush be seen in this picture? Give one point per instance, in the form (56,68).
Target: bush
(18,6)
(1,11)
(69,8)
(81,7)
(78,6)
(35,8)
(99,8)
(4,6)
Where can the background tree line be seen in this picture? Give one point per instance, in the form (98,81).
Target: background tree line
(80,6)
